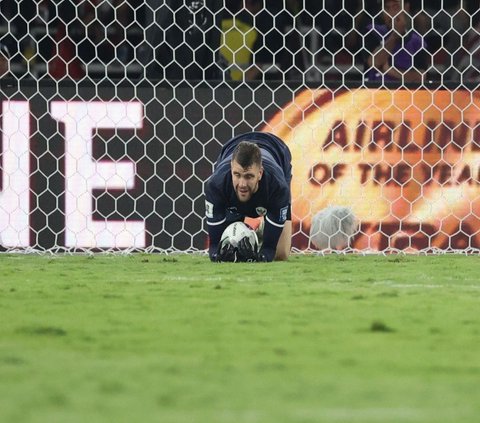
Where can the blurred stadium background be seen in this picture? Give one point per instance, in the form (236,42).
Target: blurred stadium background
(113,112)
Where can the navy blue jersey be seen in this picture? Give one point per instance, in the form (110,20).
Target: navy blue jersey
(272,200)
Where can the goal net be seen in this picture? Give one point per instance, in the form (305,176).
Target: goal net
(112,114)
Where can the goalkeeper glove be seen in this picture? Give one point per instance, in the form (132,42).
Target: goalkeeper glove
(226,252)
(248,253)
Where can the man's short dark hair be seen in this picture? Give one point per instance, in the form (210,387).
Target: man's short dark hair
(247,154)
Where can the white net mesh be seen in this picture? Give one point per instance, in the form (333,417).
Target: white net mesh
(113,113)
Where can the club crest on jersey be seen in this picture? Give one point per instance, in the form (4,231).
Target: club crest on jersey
(261,211)
(232,214)
(283,214)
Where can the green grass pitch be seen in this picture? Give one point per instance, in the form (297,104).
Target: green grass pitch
(155,338)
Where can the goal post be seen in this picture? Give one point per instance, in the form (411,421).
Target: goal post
(108,134)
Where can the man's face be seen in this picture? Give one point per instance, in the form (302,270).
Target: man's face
(245,180)
(396,15)
(393,8)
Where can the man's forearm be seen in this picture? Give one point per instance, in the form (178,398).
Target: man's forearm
(408,76)
(214,236)
(381,55)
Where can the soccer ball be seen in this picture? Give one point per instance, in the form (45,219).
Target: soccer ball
(333,227)
(235,232)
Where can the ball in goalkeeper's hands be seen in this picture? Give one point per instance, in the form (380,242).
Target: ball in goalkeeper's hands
(333,227)
(235,232)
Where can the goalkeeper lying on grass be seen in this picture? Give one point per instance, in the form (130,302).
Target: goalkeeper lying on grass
(251,178)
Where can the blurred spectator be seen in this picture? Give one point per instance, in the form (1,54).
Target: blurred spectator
(65,60)
(19,16)
(4,61)
(293,22)
(182,39)
(395,51)
(251,39)
(337,25)
(446,24)
(93,31)
(448,18)
(104,33)
(467,65)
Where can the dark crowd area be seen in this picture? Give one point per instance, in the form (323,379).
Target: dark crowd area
(241,40)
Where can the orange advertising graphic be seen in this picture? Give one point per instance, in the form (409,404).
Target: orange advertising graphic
(407,162)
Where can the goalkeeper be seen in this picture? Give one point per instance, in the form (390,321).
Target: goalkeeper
(251,178)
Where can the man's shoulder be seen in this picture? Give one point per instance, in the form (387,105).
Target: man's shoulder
(377,29)
(416,36)
(275,177)
(219,177)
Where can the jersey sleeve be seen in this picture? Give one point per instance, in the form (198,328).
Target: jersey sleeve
(215,210)
(278,213)
(271,235)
